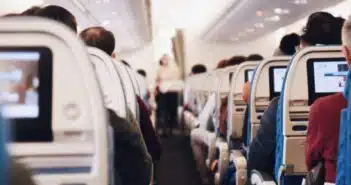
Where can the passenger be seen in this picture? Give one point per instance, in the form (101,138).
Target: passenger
(196,69)
(126,63)
(320,29)
(288,45)
(323,128)
(167,101)
(131,159)
(235,60)
(31,11)
(254,57)
(141,72)
(59,14)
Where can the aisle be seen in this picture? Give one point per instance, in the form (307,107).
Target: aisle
(177,166)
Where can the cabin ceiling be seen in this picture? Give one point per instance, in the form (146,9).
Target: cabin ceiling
(247,20)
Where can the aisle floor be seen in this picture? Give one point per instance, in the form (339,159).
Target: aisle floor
(177,165)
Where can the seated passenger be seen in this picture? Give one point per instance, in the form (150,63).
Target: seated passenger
(320,29)
(103,39)
(288,45)
(57,13)
(196,69)
(323,128)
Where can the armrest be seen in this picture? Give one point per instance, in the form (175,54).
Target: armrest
(261,178)
(239,159)
(223,161)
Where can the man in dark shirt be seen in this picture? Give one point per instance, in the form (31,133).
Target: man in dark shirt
(262,148)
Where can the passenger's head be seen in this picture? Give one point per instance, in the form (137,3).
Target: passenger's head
(125,63)
(320,29)
(164,60)
(198,68)
(31,11)
(254,57)
(346,39)
(221,64)
(235,60)
(289,43)
(59,14)
(246,91)
(100,38)
(141,72)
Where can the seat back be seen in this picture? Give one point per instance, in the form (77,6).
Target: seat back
(70,109)
(236,113)
(305,81)
(266,84)
(110,81)
(132,75)
(128,87)
(344,149)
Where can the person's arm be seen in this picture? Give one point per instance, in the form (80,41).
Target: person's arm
(314,144)
(149,134)
(132,162)
(263,145)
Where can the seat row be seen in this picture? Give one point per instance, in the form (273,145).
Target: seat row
(65,138)
(297,81)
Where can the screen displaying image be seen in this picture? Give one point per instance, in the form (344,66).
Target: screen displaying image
(19,84)
(248,75)
(330,76)
(279,75)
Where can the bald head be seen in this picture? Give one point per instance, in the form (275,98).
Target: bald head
(246,91)
(99,37)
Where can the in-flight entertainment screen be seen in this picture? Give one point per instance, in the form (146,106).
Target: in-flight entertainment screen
(276,79)
(248,74)
(326,76)
(20,82)
(26,92)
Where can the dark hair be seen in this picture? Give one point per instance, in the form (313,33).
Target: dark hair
(34,10)
(339,23)
(198,68)
(254,57)
(100,38)
(235,60)
(320,29)
(11,15)
(125,63)
(221,64)
(141,72)
(288,43)
(59,14)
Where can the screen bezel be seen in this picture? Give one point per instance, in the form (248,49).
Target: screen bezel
(36,129)
(272,93)
(247,74)
(312,95)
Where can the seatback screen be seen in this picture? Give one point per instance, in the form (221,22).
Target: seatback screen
(325,77)
(276,79)
(248,74)
(25,92)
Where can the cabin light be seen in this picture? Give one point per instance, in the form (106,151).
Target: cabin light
(250,30)
(259,25)
(105,22)
(234,39)
(300,2)
(98,2)
(106,1)
(275,18)
(281,11)
(114,13)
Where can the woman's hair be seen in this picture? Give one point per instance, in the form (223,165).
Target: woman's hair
(321,28)
(235,60)
(34,10)
(288,43)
